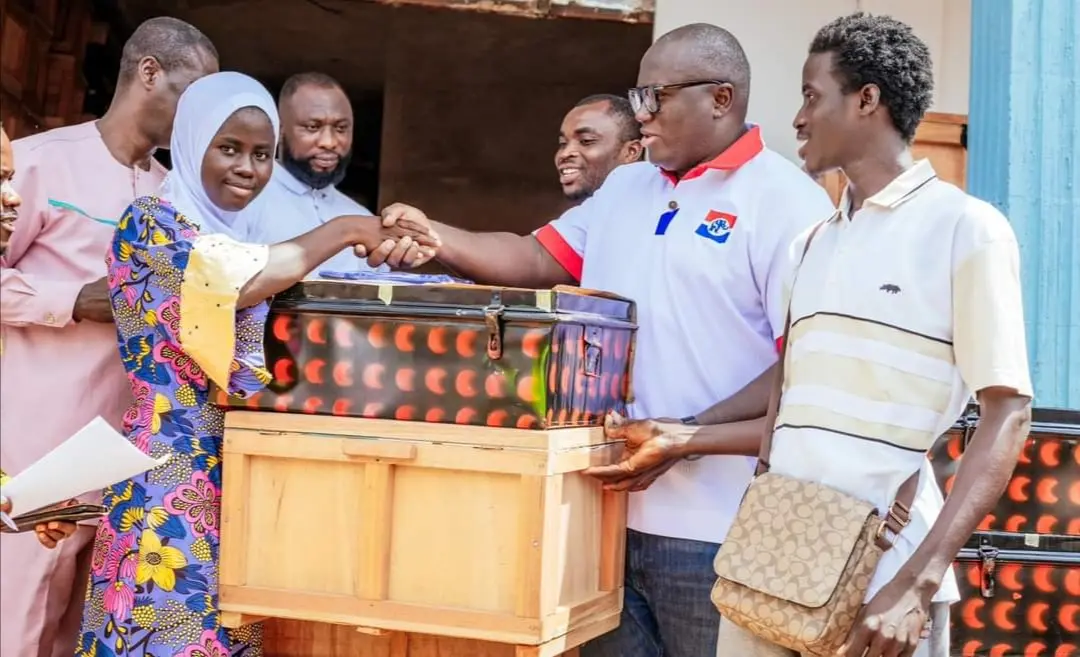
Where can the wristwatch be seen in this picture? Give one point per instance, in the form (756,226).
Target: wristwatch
(691,420)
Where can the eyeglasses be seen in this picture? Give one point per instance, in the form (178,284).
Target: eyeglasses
(649,97)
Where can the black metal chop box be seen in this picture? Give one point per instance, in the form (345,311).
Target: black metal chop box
(463,354)
(1019,574)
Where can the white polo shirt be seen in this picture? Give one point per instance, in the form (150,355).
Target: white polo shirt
(288,208)
(705,258)
(899,313)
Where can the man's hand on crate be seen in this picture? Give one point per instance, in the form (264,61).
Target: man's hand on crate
(651,448)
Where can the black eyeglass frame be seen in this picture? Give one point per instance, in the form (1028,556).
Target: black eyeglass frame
(648,97)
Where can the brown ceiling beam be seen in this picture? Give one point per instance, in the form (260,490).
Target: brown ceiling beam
(631,11)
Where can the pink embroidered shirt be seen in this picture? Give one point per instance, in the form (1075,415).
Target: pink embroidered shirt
(59,374)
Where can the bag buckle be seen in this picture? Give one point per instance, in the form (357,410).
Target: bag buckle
(880,539)
(894,522)
(899,515)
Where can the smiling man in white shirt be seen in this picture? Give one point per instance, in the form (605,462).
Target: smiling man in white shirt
(698,236)
(316,147)
(597,135)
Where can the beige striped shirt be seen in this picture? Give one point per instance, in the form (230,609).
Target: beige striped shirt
(899,313)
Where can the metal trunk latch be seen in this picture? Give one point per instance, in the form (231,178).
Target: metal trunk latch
(594,350)
(988,554)
(493,321)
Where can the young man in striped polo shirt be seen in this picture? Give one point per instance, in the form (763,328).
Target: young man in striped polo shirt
(907,303)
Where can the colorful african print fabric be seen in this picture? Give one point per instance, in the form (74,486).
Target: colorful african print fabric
(154,581)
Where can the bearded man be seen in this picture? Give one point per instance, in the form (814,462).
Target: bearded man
(315,150)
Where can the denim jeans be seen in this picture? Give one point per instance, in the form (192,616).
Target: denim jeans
(666,610)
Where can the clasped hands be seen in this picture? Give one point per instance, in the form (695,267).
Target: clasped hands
(409,240)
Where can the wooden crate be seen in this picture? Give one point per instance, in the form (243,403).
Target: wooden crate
(468,532)
(290,638)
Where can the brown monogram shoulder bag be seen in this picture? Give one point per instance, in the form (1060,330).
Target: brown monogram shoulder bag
(797,562)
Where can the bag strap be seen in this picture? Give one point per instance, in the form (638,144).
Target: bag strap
(899,513)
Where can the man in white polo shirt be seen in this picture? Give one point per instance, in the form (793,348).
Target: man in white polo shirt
(316,147)
(698,237)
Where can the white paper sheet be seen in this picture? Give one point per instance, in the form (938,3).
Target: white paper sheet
(94,458)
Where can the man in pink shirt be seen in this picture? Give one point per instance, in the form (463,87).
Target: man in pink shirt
(57,332)
(9,199)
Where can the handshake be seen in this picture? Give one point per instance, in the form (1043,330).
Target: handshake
(408,239)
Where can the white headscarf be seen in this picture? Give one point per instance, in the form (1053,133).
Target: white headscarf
(203,108)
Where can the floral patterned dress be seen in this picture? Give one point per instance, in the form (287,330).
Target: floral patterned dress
(154,582)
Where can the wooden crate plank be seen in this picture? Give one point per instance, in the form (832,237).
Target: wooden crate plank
(289,638)
(552,439)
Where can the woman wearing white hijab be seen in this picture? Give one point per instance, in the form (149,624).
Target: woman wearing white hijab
(189,300)
(201,111)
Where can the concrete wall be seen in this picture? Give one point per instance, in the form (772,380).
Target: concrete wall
(776,34)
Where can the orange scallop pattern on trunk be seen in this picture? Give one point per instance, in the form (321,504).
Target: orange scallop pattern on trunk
(423,370)
(1031,612)
(1035,606)
(1042,496)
